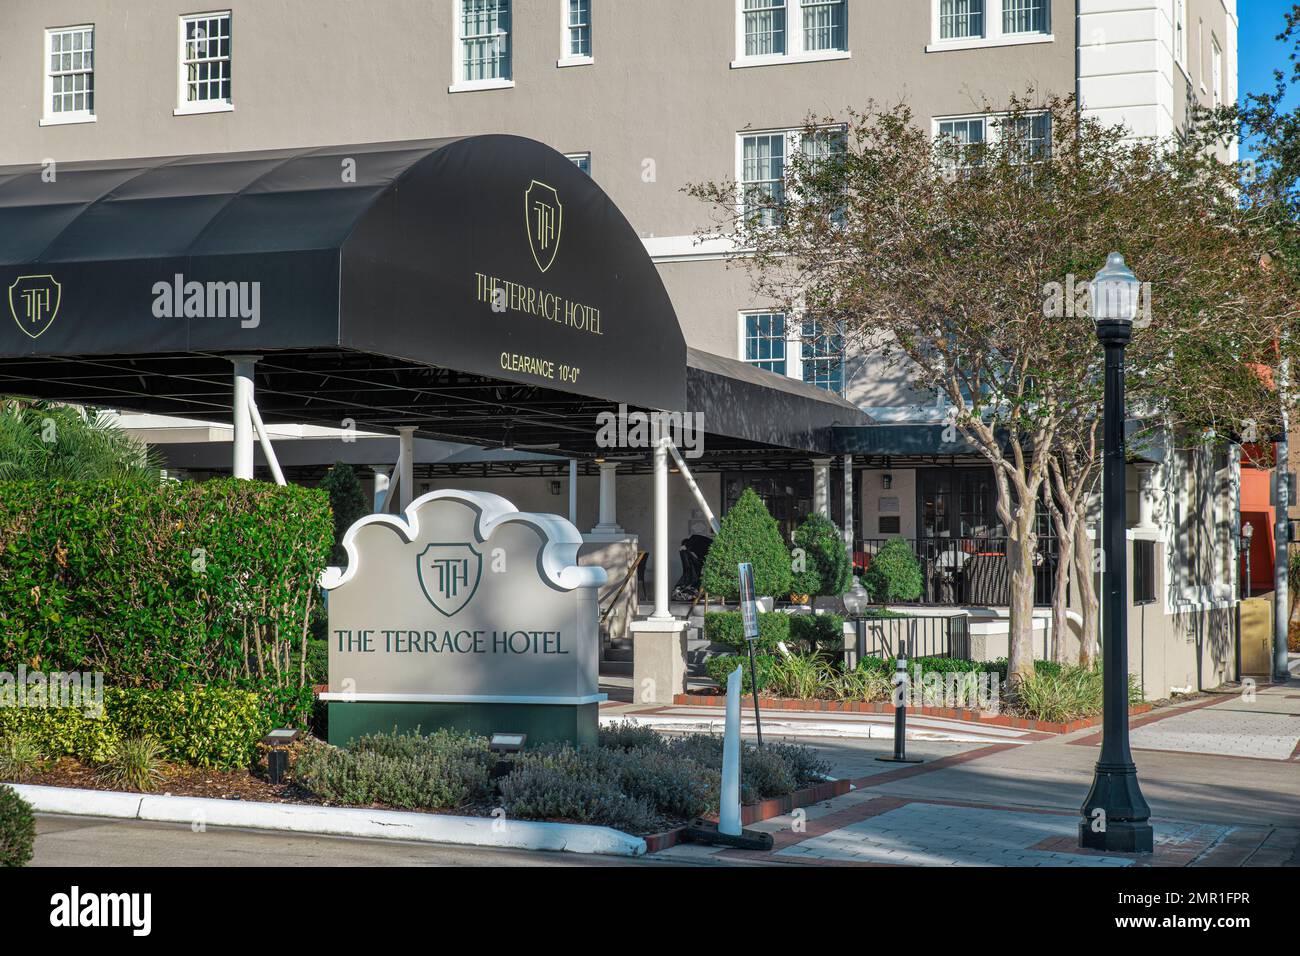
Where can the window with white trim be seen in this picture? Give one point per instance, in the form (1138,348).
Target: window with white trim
(765,340)
(1216,72)
(484,41)
(205,63)
(1180,31)
(964,23)
(774,31)
(579,29)
(581,160)
(823,355)
(966,134)
(762,162)
(70,74)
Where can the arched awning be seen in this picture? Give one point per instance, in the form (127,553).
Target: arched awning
(480,289)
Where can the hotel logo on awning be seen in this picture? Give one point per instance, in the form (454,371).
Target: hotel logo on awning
(544,216)
(34,302)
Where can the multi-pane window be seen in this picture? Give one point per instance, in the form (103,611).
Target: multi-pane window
(1216,72)
(581,160)
(579,27)
(485,40)
(825,25)
(1180,30)
(205,59)
(823,356)
(764,27)
(1024,16)
(823,147)
(71,59)
(962,136)
(762,176)
(765,341)
(961,19)
(1034,136)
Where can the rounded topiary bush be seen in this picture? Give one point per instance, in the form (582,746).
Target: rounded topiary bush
(748,533)
(827,570)
(17,829)
(894,574)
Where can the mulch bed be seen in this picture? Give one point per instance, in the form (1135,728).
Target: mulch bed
(179,781)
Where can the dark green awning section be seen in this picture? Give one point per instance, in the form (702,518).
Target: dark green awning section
(902,441)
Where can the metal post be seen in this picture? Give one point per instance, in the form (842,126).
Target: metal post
(240,418)
(822,486)
(902,688)
(662,611)
(1115,814)
(573,492)
(381,488)
(848,507)
(406,463)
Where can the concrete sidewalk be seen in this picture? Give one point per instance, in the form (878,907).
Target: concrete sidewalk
(1015,803)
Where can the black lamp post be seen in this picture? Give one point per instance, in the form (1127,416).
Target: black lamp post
(1115,815)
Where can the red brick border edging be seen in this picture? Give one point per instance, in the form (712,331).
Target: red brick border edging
(763,810)
(876,707)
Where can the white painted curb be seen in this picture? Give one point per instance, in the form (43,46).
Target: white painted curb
(335,821)
(774,726)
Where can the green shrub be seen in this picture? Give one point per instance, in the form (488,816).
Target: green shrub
(626,735)
(772,770)
(827,569)
(207,726)
(800,676)
(747,533)
(17,829)
(41,441)
(445,770)
(62,732)
(558,784)
(677,787)
(135,764)
(162,586)
(728,627)
(20,757)
(347,502)
(1066,693)
(865,682)
(718,668)
(818,631)
(894,574)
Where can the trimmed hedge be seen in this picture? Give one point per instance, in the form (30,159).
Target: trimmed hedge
(748,533)
(818,631)
(206,726)
(765,666)
(163,586)
(728,627)
(827,570)
(894,573)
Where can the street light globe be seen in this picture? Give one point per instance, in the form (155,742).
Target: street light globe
(1115,299)
(856,599)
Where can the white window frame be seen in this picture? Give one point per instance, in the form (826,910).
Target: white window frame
(993,35)
(571,59)
(65,118)
(199,107)
(1180,36)
(992,126)
(1216,71)
(585,156)
(458,83)
(793,341)
(793,143)
(794,47)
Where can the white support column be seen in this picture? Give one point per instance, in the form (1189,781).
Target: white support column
(662,559)
(240,418)
(573,492)
(608,523)
(848,505)
(822,486)
(405,466)
(381,488)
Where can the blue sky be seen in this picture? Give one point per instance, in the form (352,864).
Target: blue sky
(1259,53)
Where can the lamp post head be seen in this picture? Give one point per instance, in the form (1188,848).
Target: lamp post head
(1115,292)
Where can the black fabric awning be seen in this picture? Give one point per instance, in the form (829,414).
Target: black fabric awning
(481,289)
(491,257)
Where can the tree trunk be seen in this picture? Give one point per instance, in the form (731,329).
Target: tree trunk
(1021,547)
(1066,529)
(1089,606)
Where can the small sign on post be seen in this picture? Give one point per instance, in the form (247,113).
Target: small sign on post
(749,616)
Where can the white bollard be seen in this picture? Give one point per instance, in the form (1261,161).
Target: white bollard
(729,811)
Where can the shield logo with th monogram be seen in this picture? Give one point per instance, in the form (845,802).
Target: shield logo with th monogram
(449,575)
(544,217)
(34,302)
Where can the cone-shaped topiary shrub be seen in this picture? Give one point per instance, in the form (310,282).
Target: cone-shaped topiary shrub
(894,574)
(748,533)
(347,501)
(826,562)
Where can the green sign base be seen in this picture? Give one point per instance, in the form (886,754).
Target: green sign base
(543,723)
